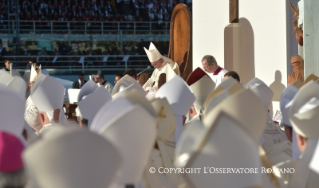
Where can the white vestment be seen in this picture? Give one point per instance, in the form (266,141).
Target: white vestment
(32,116)
(218,75)
(107,86)
(272,135)
(280,152)
(156,74)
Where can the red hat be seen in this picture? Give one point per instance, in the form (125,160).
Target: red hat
(196,75)
(10,152)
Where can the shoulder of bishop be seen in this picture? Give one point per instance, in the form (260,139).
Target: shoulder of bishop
(218,70)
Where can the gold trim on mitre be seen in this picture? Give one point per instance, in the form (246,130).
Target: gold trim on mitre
(265,161)
(253,105)
(135,97)
(166,122)
(311,77)
(221,87)
(152,53)
(223,95)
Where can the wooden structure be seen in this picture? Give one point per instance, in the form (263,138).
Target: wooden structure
(180,45)
(233,11)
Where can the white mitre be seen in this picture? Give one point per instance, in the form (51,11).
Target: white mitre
(166,123)
(91,98)
(266,94)
(214,147)
(133,133)
(125,84)
(304,111)
(108,112)
(12,111)
(178,94)
(221,95)
(261,90)
(180,97)
(51,164)
(152,53)
(304,119)
(201,85)
(221,87)
(48,94)
(15,82)
(285,104)
(136,97)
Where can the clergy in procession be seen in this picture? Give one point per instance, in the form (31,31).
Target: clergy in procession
(48,94)
(303,116)
(32,116)
(158,62)
(273,139)
(285,105)
(214,71)
(103,83)
(8,67)
(72,157)
(201,85)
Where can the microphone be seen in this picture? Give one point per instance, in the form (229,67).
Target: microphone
(148,67)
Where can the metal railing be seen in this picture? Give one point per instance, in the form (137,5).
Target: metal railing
(87,27)
(83,63)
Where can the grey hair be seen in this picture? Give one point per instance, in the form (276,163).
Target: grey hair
(16,179)
(209,59)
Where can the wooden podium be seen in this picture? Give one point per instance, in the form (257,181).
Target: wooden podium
(180,44)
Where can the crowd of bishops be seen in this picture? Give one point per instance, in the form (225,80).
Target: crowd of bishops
(207,131)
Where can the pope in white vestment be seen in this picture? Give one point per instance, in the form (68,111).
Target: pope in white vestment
(158,62)
(215,72)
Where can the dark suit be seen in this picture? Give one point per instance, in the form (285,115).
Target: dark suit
(76,84)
